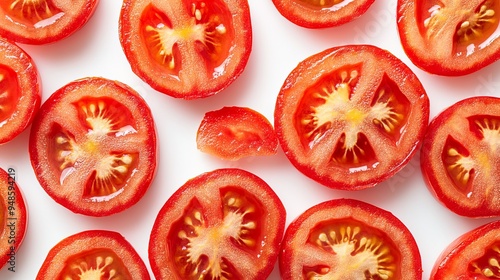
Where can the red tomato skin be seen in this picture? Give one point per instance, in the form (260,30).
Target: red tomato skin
(37,158)
(193,185)
(31,35)
(136,263)
(430,176)
(14,232)
(302,16)
(127,29)
(30,87)
(287,251)
(452,262)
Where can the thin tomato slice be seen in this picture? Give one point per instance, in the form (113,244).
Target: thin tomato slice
(93,254)
(348,239)
(225,224)
(352,116)
(460,160)
(13,218)
(473,255)
(450,37)
(322,13)
(187,48)
(232,133)
(93,146)
(20,90)
(43,21)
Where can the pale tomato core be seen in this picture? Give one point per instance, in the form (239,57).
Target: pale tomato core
(35,13)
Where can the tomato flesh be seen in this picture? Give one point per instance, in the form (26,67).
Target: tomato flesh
(348,239)
(459,157)
(9,92)
(193,44)
(225,224)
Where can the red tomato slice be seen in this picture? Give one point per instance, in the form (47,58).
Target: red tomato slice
(186,49)
(460,160)
(474,255)
(20,90)
(93,146)
(13,218)
(450,37)
(94,254)
(322,13)
(43,21)
(232,133)
(352,116)
(225,224)
(349,239)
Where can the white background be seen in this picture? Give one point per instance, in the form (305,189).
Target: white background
(278,46)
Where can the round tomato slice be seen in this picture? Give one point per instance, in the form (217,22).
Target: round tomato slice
(225,224)
(350,117)
(20,90)
(348,239)
(13,217)
(187,49)
(93,254)
(93,146)
(322,13)
(474,255)
(43,21)
(450,38)
(460,160)
(232,133)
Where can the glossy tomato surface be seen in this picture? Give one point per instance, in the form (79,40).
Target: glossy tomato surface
(224,224)
(13,218)
(450,37)
(349,239)
(43,21)
(93,254)
(232,133)
(322,13)
(189,48)
(93,146)
(351,116)
(474,255)
(460,160)
(20,90)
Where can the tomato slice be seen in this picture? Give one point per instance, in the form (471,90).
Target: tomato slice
(93,254)
(224,224)
(232,133)
(473,255)
(348,239)
(20,90)
(93,146)
(13,217)
(322,13)
(450,38)
(187,49)
(459,158)
(43,21)
(352,116)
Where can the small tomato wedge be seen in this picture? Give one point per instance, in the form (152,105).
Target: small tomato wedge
(349,239)
(224,224)
(322,13)
(20,90)
(232,133)
(43,21)
(186,48)
(13,217)
(93,254)
(473,255)
(351,116)
(460,160)
(93,146)
(450,38)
